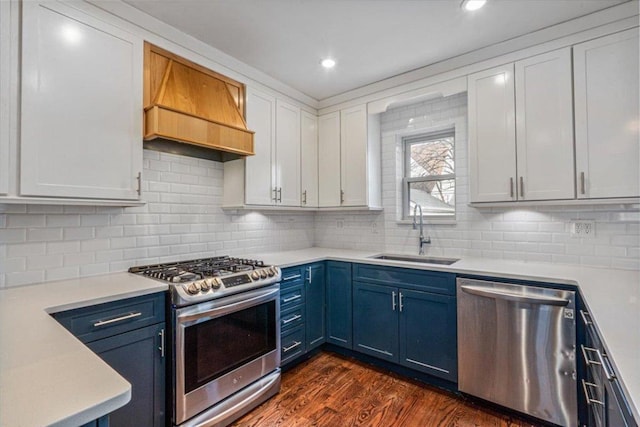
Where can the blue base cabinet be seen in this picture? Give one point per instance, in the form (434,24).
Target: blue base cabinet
(406,317)
(302,310)
(315,318)
(129,335)
(428,333)
(339,304)
(375,320)
(135,355)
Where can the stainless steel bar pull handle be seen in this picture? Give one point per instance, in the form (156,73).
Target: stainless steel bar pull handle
(590,400)
(341,196)
(586,317)
(304,197)
(117,319)
(291,319)
(583,189)
(275,194)
(162,343)
(522,187)
(400,301)
(393,300)
(489,292)
(139,178)
(295,276)
(293,298)
(589,361)
(511,187)
(291,347)
(280,194)
(309,277)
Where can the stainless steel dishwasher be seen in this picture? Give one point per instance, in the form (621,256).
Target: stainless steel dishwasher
(517,348)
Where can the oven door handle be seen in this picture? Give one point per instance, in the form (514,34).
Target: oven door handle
(219,307)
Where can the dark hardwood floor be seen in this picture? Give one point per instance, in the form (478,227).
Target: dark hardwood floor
(332,390)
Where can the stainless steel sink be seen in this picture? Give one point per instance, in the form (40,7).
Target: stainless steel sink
(419,259)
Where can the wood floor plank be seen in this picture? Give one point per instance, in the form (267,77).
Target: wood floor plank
(332,390)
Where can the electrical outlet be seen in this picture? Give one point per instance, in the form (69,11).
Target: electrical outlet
(583,229)
(374,227)
(340,223)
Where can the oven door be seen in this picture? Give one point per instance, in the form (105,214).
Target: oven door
(223,345)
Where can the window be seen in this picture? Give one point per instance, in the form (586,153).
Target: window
(429,175)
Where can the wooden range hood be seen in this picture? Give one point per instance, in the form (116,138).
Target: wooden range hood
(191,110)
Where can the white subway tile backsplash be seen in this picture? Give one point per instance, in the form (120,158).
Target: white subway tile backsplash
(532,234)
(183,219)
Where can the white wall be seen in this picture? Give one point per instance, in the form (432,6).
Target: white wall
(535,234)
(183,219)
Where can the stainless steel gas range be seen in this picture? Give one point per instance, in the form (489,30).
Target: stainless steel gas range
(225,332)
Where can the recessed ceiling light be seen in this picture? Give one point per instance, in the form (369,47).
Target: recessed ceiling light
(473,4)
(328,63)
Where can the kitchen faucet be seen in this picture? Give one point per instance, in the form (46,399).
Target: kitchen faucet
(422,239)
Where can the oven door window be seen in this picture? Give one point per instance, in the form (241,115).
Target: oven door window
(218,346)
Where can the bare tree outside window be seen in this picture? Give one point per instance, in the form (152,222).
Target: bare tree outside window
(429,177)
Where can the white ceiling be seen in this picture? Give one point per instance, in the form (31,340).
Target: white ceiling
(371,40)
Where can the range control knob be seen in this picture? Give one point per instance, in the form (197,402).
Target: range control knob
(255,275)
(215,283)
(270,272)
(193,288)
(205,285)
(263,274)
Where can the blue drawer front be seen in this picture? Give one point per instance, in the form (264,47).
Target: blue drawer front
(427,281)
(113,318)
(291,296)
(291,276)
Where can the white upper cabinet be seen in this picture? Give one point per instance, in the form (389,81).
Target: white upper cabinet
(272,175)
(309,159)
(353,156)
(329,160)
(492,148)
(544,127)
(81,124)
(260,188)
(521,130)
(607,125)
(349,159)
(287,164)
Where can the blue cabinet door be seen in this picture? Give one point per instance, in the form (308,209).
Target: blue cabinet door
(428,333)
(315,302)
(375,320)
(136,355)
(339,304)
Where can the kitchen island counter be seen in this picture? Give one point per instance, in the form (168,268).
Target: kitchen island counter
(47,376)
(611,296)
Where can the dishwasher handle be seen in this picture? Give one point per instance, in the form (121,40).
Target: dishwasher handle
(489,292)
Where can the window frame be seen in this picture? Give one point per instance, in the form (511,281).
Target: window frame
(422,137)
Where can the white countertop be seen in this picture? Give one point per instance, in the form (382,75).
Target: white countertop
(47,376)
(611,296)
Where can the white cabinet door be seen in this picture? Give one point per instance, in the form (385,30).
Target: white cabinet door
(309,159)
(492,145)
(81,125)
(6,96)
(287,163)
(353,156)
(329,160)
(544,127)
(607,125)
(260,180)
